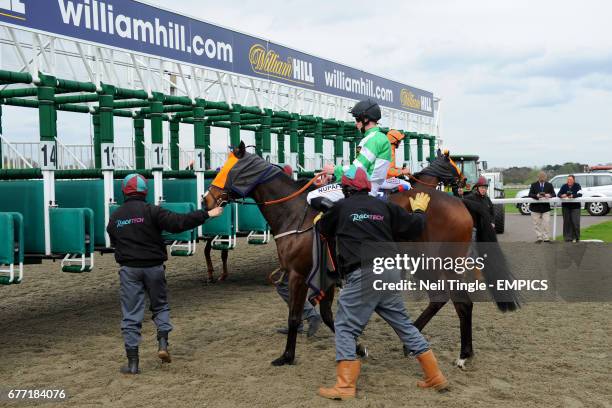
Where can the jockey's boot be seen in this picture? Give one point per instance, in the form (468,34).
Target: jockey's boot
(162,351)
(433,376)
(347,372)
(132,365)
(313,325)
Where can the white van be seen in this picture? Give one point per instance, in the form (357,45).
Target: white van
(598,184)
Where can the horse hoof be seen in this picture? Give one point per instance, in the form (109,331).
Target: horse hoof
(210,280)
(362,351)
(222,278)
(283,360)
(460,363)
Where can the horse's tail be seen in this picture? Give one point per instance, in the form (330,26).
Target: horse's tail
(496,267)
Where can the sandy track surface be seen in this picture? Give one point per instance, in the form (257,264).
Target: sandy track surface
(62,331)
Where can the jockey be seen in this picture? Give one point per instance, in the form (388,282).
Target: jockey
(393,181)
(374,156)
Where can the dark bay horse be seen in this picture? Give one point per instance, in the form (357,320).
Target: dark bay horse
(448,221)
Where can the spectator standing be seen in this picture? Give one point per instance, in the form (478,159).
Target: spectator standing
(540,212)
(571,211)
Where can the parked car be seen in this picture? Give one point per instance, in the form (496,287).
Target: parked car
(598,184)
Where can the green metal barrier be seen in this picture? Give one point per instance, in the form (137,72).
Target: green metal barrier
(184,243)
(252,222)
(84,194)
(222,230)
(26,198)
(180,191)
(72,231)
(11,248)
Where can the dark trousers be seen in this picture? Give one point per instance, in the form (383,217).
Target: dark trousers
(134,283)
(571,224)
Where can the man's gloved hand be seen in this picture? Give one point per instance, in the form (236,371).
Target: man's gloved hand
(420,202)
(317,218)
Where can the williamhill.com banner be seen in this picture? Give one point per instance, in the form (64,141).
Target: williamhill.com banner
(142,28)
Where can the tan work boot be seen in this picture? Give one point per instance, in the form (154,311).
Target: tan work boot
(347,372)
(433,376)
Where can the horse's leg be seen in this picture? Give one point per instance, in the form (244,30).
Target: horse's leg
(297,297)
(224,254)
(209,264)
(437,300)
(463,306)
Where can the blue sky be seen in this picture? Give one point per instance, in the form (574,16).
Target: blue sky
(521,82)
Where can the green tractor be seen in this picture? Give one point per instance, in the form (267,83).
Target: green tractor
(472,168)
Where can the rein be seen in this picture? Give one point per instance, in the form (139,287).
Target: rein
(283,199)
(422,182)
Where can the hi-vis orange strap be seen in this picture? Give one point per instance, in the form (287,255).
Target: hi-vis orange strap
(221,178)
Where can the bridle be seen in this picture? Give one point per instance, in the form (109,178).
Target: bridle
(225,197)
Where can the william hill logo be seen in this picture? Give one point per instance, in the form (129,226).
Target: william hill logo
(411,101)
(14,7)
(269,62)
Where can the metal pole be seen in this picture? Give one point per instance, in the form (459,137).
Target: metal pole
(293,142)
(174,144)
(266,123)
(339,145)
(139,149)
(48,148)
(95,118)
(157,144)
(318,144)
(200,132)
(280,137)
(107,148)
(235,126)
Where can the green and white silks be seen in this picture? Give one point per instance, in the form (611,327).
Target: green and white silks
(374,158)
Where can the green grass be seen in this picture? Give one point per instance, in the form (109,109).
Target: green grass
(601,231)
(511,193)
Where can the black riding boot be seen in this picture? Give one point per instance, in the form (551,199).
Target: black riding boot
(163,353)
(132,365)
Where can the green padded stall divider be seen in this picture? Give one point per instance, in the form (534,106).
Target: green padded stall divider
(26,198)
(180,191)
(7,236)
(70,230)
(187,239)
(252,222)
(222,229)
(84,194)
(250,218)
(11,248)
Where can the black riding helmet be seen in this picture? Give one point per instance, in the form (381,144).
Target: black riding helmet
(366,110)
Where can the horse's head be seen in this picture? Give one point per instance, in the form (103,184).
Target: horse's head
(456,176)
(445,170)
(241,173)
(219,193)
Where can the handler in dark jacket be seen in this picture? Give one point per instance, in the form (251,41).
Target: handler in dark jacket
(571,211)
(357,219)
(479,195)
(540,211)
(135,230)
